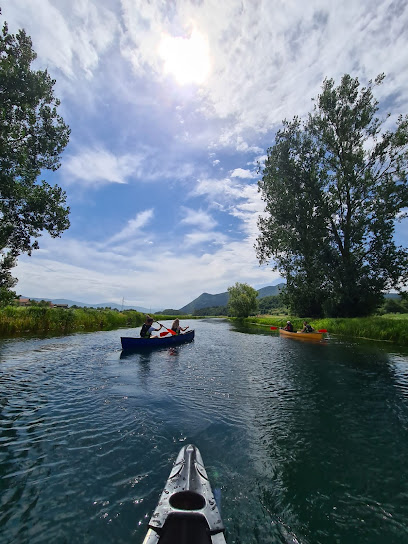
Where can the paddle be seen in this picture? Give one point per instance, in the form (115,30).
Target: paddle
(322,330)
(168,330)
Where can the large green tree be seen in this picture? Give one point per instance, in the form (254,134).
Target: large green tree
(242,300)
(32,138)
(334,186)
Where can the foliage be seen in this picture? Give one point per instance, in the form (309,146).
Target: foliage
(212,311)
(333,187)
(268,304)
(32,138)
(392,305)
(242,300)
(7,282)
(42,319)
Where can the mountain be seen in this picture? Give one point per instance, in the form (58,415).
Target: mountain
(270,291)
(99,305)
(205,300)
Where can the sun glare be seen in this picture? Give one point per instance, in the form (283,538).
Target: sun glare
(187,59)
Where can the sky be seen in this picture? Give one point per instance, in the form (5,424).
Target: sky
(172,105)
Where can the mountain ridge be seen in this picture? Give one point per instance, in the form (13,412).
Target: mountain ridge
(205,300)
(112,305)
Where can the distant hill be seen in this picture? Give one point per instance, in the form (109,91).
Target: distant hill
(271,290)
(205,300)
(99,305)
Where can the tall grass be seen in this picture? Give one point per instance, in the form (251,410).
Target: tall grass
(392,328)
(15,320)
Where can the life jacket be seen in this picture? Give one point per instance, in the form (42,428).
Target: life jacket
(144,332)
(176,330)
(308,328)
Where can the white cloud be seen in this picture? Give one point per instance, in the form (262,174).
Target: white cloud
(200,237)
(83,272)
(97,166)
(68,35)
(198,218)
(244,174)
(133,227)
(268,58)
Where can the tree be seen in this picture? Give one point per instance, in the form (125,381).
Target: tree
(7,282)
(242,300)
(32,138)
(334,186)
(267,304)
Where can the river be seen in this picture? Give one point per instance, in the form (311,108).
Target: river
(307,441)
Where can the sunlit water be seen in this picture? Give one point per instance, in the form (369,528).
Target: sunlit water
(307,441)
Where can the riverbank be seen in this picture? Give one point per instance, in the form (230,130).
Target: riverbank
(16,320)
(35,319)
(390,327)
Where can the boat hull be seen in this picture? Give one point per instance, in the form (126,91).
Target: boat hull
(187,511)
(316,336)
(161,342)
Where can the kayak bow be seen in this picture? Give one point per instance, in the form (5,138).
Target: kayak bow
(187,512)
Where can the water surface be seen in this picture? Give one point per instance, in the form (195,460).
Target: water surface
(306,440)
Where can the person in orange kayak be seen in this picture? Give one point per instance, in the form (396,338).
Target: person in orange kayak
(289,326)
(307,327)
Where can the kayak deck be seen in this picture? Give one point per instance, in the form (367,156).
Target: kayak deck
(302,335)
(187,512)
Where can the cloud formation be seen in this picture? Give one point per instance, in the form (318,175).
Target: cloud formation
(161,171)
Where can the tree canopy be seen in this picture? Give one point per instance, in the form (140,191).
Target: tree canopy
(334,186)
(242,300)
(32,138)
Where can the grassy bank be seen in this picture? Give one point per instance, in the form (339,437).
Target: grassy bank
(390,327)
(15,320)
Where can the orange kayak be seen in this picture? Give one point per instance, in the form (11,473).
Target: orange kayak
(302,335)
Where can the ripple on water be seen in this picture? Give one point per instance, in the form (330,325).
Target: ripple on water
(304,441)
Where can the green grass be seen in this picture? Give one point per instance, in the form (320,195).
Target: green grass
(14,320)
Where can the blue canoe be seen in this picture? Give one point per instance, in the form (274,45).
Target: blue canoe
(163,342)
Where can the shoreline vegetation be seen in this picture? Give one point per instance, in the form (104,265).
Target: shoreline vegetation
(387,328)
(16,321)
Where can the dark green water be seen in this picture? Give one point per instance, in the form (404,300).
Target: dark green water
(307,441)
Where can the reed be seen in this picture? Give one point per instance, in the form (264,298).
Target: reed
(14,320)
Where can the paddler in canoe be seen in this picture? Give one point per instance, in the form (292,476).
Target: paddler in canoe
(147,328)
(307,327)
(176,327)
(289,326)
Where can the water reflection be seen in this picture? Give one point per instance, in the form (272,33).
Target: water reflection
(304,440)
(329,430)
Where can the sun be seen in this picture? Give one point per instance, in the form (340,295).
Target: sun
(186,59)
